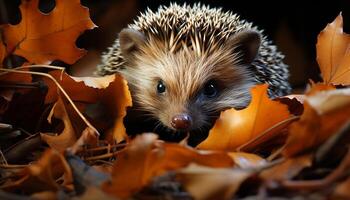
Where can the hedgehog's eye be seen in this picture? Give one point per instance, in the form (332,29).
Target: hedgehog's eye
(160,87)
(210,89)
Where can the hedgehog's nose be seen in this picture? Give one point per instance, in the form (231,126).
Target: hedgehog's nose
(181,121)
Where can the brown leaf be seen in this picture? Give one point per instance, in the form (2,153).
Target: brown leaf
(236,127)
(42,38)
(42,175)
(288,169)
(2,51)
(325,113)
(147,157)
(247,160)
(112,91)
(68,136)
(88,137)
(342,190)
(333,54)
(210,183)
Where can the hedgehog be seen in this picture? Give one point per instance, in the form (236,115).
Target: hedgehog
(184,64)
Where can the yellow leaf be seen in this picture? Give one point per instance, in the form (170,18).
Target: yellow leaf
(236,127)
(333,53)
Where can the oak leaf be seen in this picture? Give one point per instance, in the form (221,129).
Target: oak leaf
(42,38)
(325,113)
(146,157)
(209,183)
(333,53)
(236,127)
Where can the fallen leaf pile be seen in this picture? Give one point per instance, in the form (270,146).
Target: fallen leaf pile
(63,137)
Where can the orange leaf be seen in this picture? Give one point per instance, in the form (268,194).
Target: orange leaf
(209,183)
(333,53)
(325,113)
(112,91)
(247,160)
(288,169)
(68,136)
(2,51)
(236,127)
(42,38)
(42,175)
(147,157)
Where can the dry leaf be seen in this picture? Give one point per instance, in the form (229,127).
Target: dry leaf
(147,157)
(209,183)
(112,91)
(342,190)
(43,38)
(88,137)
(42,175)
(236,127)
(68,136)
(325,113)
(247,160)
(333,53)
(2,51)
(288,169)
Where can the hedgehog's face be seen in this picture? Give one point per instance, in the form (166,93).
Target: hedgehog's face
(183,90)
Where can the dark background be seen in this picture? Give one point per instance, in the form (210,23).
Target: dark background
(292,25)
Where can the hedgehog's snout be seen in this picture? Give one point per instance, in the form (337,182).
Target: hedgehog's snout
(181,121)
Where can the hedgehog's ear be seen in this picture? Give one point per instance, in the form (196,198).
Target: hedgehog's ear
(246,45)
(130,40)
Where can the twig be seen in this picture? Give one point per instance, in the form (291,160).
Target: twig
(60,88)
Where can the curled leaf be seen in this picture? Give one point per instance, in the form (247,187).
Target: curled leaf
(325,113)
(209,183)
(147,157)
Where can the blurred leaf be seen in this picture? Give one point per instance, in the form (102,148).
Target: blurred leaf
(147,157)
(42,175)
(209,183)
(325,113)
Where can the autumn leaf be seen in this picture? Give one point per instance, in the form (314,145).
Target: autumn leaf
(2,51)
(236,127)
(68,136)
(42,175)
(325,113)
(43,38)
(209,183)
(288,169)
(333,53)
(112,91)
(147,157)
(247,160)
